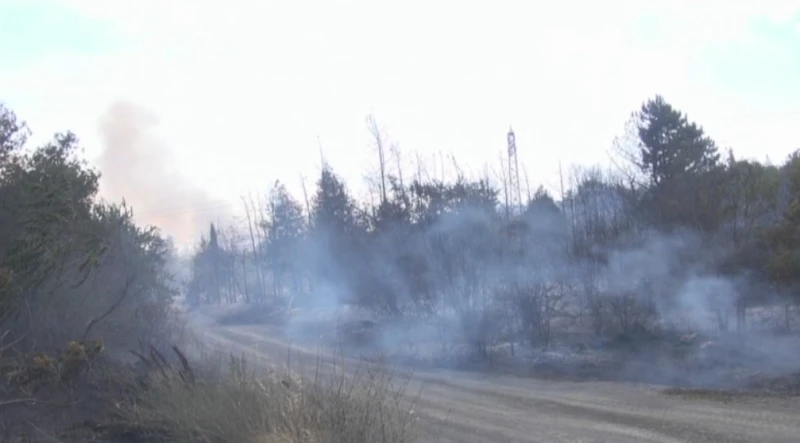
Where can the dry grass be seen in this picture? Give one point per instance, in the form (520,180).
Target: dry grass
(239,404)
(756,386)
(225,400)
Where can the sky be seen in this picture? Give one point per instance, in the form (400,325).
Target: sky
(187,106)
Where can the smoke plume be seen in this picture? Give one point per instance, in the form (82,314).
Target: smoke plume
(138,167)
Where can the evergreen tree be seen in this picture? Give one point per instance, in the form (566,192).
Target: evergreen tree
(683,166)
(285,230)
(671,146)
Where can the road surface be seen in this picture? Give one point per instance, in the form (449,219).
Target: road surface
(469,407)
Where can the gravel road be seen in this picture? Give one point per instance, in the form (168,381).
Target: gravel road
(468,407)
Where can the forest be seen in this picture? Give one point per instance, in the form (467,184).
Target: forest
(676,235)
(678,240)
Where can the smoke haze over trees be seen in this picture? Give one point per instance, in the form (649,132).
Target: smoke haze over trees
(681,265)
(89,303)
(679,236)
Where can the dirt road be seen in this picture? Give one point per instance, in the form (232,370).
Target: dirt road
(465,407)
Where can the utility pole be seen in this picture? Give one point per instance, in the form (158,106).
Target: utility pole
(514,190)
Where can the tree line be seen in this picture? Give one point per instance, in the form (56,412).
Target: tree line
(675,220)
(677,225)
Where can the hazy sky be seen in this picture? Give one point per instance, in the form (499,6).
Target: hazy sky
(236,93)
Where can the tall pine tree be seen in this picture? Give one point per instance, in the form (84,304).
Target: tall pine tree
(671,146)
(683,167)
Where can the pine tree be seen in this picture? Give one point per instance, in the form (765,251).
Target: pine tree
(683,167)
(671,146)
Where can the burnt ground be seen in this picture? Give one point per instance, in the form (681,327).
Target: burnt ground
(763,362)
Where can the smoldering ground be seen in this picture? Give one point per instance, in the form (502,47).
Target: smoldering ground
(655,310)
(141,169)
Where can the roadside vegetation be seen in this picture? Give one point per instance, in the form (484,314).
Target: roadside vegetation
(92,339)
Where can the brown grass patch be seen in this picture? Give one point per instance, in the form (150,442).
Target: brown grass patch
(221,400)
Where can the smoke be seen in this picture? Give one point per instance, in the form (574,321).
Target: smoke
(641,307)
(456,283)
(138,167)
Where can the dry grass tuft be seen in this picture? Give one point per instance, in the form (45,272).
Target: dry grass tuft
(164,398)
(240,404)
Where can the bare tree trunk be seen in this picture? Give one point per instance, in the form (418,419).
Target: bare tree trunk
(376,134)
(244,277)
(305,198)
(261,288)
(396,153)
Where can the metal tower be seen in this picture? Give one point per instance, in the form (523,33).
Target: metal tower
(514,190)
